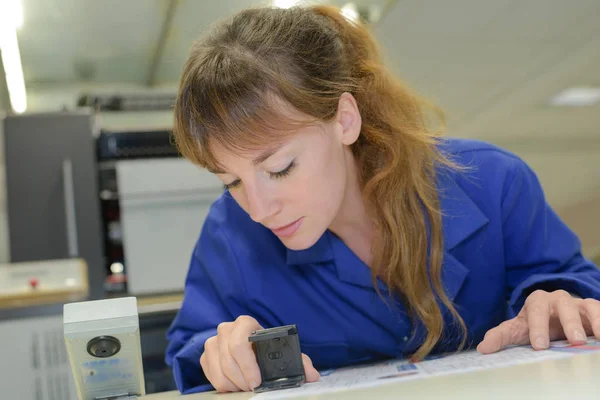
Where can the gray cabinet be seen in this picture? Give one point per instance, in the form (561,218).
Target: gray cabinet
(52,191)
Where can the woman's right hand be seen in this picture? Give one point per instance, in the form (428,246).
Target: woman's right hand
(229,362)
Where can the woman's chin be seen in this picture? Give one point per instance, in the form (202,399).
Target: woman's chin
(299,241)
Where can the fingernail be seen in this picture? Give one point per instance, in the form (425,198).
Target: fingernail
(253,385)
(541,343)
(580,336)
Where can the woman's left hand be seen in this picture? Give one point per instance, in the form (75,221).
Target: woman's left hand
(546,316)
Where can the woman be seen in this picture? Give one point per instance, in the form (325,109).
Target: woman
(346,213)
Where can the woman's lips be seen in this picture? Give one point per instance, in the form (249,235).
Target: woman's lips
(288,230)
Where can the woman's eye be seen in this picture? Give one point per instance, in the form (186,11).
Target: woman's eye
(279,174)
(284,172)
(232,185)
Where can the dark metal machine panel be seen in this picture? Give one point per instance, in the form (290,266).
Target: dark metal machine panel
(52,191)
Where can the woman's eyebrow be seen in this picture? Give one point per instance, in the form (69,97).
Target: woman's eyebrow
(266,154)
(261,158)
(215,171)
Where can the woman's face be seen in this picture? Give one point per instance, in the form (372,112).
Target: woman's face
(297,188)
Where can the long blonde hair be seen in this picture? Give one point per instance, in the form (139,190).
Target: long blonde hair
(308,57)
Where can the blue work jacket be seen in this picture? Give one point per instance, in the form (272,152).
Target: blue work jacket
(501,242)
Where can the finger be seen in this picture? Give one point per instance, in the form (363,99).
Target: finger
(241,350)
(310,373)
(209,345)
(591,310)
(204,365)
(212,367)
(513,331)
(537,309)
(229,366)
(569,316)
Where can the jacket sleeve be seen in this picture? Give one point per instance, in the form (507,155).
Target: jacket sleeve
(209,298)
(541,252)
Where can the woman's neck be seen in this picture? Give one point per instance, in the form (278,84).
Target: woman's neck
(352,224)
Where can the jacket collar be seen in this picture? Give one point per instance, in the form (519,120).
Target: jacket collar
(461,217)
(319,252)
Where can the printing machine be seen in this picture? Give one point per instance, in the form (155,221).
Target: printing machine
(153,206)
(123,202)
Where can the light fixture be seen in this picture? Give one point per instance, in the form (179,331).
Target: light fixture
(11,19)
(11,59)
(11,13)
(579,96)
(285,3)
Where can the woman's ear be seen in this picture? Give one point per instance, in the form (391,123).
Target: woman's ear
(348,116)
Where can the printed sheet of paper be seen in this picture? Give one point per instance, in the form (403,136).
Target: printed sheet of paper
(402,370)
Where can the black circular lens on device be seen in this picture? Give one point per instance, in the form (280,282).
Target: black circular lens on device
(103,346)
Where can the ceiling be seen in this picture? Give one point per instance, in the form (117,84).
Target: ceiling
(136,41)
(491,65)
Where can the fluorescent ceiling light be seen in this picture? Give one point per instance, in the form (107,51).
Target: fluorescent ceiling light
(11,18)
(577,97)
(11,59)
(285,3)
(11,13)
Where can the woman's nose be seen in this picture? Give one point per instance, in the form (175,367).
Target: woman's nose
(260,204)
